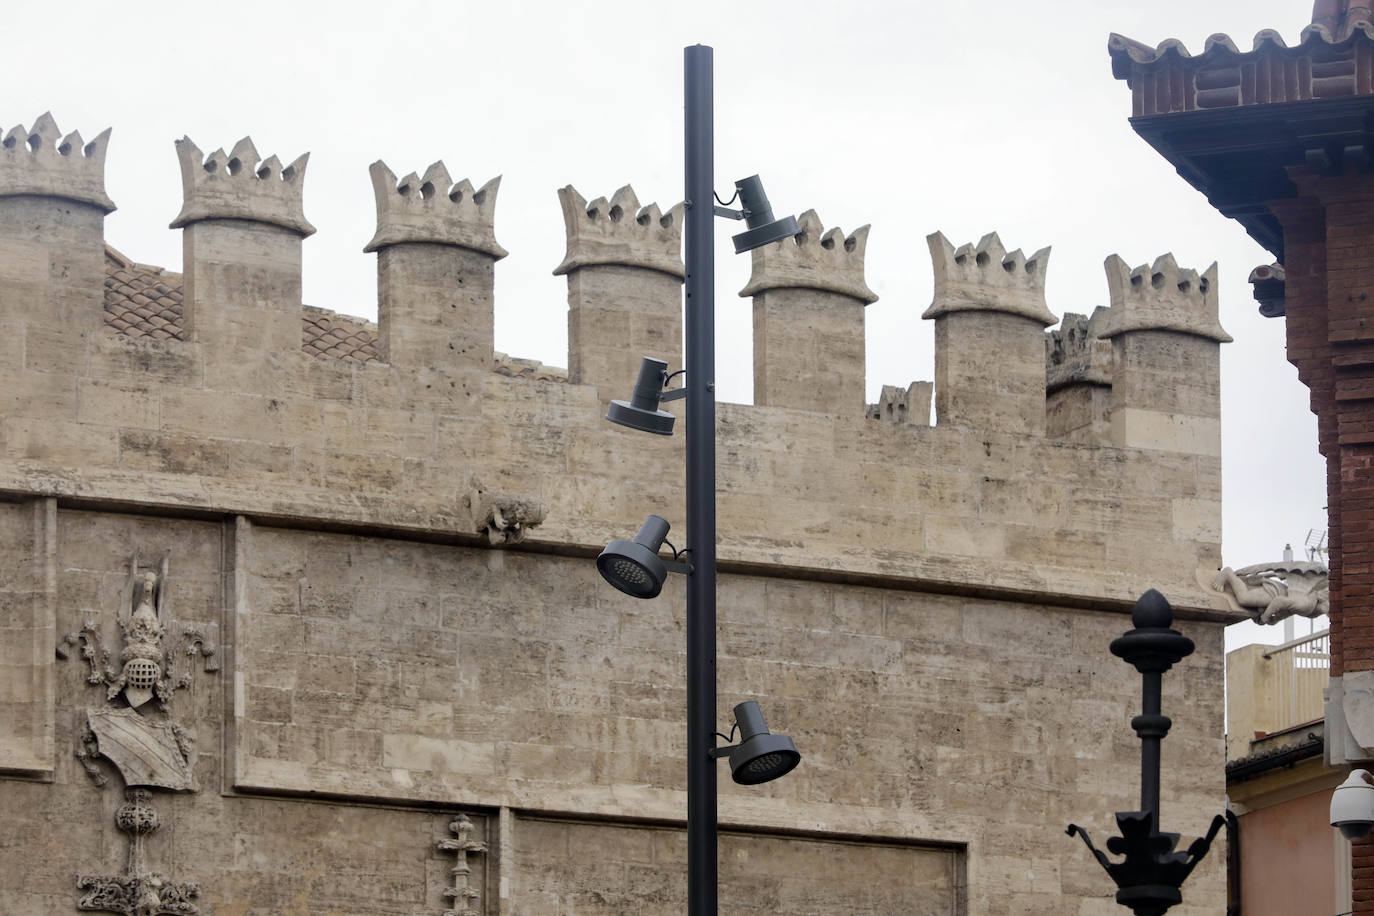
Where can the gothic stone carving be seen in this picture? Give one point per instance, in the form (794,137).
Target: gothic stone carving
(148,750)
(137,892)
(504,518)
(466,898)
(151,663)
(1269,592)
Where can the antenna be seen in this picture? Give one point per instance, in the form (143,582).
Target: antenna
(1316,544)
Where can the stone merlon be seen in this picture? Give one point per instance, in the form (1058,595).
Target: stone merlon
(620,232)
(813,259)
(984,278)
(1163,297)
(44,163)
(431,208)
(239,186)
(1077,353)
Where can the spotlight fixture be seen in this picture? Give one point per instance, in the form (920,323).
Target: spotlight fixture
(760,756)
(641,411)
(758,216)
(634,566)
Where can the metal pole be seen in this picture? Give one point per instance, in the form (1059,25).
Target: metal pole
(1148,726)
(699,247)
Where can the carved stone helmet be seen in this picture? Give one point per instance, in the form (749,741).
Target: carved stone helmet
(142,655)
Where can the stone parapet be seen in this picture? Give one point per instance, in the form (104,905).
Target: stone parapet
(42,162)
(620,232)
(814,259)
(809,297)
(239,186)
(1077,353)
(436,251)
(1078,379)
(1166,371)
(625,277)
(432,208)
(989,313)
(1163,297)
(984,278)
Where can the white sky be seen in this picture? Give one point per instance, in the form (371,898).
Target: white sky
(962,117)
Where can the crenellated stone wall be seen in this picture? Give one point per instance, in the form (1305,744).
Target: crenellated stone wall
(385,536)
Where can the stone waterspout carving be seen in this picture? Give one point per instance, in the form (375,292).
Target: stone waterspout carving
(1270,592)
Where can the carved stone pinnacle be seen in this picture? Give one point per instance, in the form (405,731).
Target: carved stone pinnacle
(619,231)
(985,278)
(239,186)
(1163,297)
(432,208)
(814,259)
(42,162)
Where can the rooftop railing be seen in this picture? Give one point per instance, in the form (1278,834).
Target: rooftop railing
(1301,668)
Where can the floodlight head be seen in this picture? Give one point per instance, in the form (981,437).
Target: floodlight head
(759,218)
(760,755)
(641,411)
(635,567)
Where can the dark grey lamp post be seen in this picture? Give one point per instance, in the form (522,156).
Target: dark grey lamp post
(634,566)
(1149,877)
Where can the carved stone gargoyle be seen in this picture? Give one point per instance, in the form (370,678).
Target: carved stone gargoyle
(1270,592)
(505,518)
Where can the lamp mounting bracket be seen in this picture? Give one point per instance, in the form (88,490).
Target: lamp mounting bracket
(676,394)
(731,214)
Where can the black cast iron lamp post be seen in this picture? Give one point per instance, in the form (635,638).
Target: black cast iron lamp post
(1149,878)
(634,567)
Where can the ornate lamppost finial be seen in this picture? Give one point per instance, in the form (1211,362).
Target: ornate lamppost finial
(1149,877)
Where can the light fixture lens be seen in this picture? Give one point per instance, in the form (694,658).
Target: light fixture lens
(764,768)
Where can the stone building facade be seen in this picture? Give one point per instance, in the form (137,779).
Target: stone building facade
(299,615)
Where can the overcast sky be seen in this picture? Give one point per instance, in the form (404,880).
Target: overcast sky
(961,117)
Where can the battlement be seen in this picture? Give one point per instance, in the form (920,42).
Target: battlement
(42,162)
(1163,297)
(217,389)
(813,259)
(432,208)
(240,185)
(984,277)
(620,231)
(1077,352)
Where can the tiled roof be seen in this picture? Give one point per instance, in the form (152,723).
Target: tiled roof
(146,301)
(329,334)
(141,301)
(1287,752)
(1324,64)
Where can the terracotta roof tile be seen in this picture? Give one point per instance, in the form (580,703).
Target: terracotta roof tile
(1166,78)
(1219,47)
(326,334)
(146,301)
